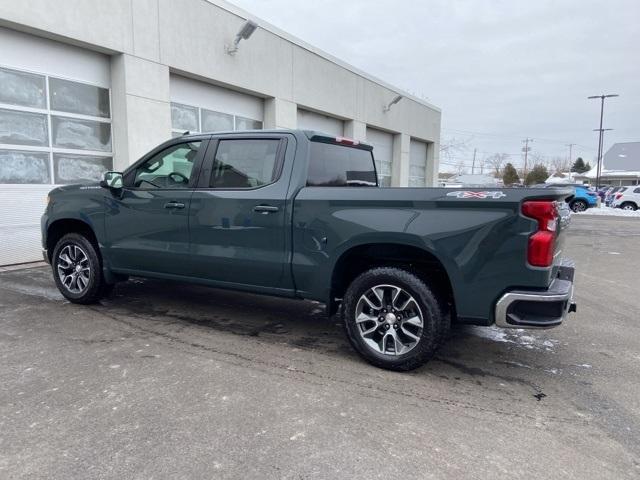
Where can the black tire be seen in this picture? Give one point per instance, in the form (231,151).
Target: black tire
(95,287)
(629,206)
(578,206)
(434,323)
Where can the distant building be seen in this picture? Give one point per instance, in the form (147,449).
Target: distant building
(620,166)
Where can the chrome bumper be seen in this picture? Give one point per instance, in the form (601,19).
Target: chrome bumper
(538,309)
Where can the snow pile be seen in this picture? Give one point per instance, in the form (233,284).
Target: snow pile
(515,336)
(608,211)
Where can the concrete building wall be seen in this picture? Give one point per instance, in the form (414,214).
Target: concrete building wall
(148,41)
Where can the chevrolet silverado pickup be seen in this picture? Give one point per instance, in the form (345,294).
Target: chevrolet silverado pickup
(300,214)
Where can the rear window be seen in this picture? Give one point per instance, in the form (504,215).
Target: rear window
(339,166)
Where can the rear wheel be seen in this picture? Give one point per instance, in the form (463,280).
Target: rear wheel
(578,205)
(628,206)
(393,319)
(77,270)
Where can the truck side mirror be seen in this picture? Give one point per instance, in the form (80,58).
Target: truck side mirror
(112,180)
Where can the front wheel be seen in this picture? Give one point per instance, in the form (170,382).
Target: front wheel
(77,270)
(392,319)
(578,206)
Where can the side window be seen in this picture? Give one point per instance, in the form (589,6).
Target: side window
(339,166)
(637,190)
(171,168)
(245,163)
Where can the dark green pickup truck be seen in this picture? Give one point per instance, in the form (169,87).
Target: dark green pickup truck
(299,214)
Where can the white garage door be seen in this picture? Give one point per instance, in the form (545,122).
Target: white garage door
(383,153)
(322,123)
(55,128)
(201,107)
(417,164)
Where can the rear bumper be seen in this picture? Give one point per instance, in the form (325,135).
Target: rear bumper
(538,308)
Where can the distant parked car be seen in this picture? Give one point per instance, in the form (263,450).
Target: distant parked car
(583,199)
(602,192)
(628,198)
(608,199)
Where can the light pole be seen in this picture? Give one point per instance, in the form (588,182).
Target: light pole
(599,166)
(600,148)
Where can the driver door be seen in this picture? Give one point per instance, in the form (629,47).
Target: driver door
(147,223)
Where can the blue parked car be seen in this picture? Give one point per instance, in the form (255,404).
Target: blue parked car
(583,199)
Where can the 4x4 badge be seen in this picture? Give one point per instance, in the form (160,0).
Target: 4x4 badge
(468,194)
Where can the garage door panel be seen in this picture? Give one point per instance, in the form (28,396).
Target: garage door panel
(65,138)
(201,107)
(417,163)
(23,206)
(382,143)
(308,120)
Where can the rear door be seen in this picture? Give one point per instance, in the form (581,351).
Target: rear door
(147,221)
(240,233)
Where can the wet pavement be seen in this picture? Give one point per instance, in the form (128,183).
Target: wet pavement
(170,380)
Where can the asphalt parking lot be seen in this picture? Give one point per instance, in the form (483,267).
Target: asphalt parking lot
(167,380)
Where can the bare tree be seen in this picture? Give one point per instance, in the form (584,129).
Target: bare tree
(451,147)
(560,164)
(536,158)
(496,161)
(461,168)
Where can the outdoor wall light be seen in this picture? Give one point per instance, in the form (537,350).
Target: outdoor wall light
(392,103)
(245,32)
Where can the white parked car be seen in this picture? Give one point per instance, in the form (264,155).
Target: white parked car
(628,198)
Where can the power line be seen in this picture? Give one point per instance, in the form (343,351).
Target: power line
(498,135)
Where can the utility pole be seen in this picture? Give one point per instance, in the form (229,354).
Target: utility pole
(473,165)
(601,131)
(526,149)
(570,145)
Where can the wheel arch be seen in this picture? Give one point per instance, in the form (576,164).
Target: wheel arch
(60,227)
(360,258)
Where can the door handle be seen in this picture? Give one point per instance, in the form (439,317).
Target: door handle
(176,205)
(265,209)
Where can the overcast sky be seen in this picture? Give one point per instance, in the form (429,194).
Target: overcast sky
(499,70)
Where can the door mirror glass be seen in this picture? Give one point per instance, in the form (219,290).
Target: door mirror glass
(112,180)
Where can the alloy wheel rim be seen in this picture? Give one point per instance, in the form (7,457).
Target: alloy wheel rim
(627,207)
(389,320)
(73,268)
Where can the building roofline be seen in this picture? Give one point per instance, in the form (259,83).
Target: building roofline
(235,10)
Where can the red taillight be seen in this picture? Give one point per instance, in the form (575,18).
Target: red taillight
(542,242)
(618,195)
(347,141)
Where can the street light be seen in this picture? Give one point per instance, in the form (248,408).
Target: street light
(386,108)
(245,32)
(600,136)
(598,170)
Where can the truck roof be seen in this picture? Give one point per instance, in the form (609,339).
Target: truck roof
(312,135)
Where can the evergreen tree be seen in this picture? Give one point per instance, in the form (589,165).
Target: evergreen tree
(579,166)
(538,174)
(510,175)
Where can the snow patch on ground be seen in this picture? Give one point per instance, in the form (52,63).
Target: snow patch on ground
(608,211)
(514,336)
